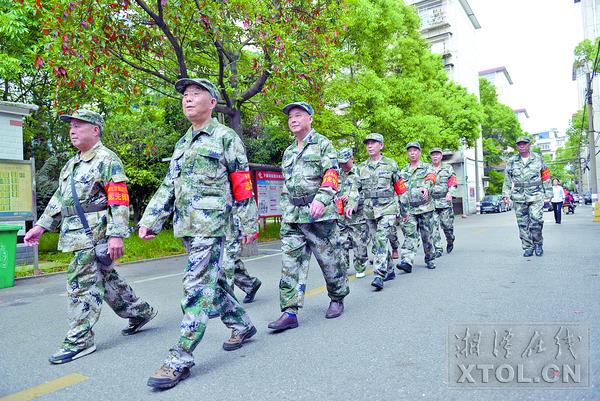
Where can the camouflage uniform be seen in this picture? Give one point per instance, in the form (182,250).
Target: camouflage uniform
(445,183)
(527,184)
(419,211)
(301,234)
(88,281)
(375,185)
(234,266)
(354,232)
(197,190)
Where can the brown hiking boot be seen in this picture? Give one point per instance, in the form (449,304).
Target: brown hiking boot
(237,339)
(166,377)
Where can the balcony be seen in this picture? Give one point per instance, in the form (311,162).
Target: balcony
(433,17)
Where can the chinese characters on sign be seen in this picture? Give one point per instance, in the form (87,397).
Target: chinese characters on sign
(15,189)
(519,355)
(269,185)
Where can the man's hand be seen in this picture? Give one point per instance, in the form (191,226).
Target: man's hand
(33,236)
(505,199)
(250,238)
(425,193)
(316,209)
(343,198)
(146,233)
(116,248)
(449,197)
(405,219)
(349,212)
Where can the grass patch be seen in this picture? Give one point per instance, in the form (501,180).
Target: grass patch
(165,244)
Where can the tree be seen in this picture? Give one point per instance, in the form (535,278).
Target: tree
(246,47)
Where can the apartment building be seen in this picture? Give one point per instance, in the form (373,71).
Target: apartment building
(549,141)
(450,27)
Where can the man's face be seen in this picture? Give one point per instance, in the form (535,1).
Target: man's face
(373,147)
(299,121)
(197,102)
(83,135)
(348,165)
(523,147)
(414,154)
(436,158)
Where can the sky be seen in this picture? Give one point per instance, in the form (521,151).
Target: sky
(534,40)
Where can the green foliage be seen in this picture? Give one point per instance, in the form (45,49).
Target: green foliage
(496,180)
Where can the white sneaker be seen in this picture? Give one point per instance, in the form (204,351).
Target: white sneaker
(360,275)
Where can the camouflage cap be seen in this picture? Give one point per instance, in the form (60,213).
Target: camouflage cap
(523,139)
(373,136)
(436,150)
(303,105)
(205,84)
(344,155)
(413,145)
(84,115)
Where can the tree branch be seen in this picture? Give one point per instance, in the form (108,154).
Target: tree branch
(140,68)
(259,83)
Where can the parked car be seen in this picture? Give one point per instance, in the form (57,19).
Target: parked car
(493,204)
(587,198)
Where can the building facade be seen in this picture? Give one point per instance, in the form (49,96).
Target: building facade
(450,27)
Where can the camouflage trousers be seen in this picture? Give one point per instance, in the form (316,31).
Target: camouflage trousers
(382,230)
(204,285)
(530,219)
(418,224)
(234,266)
(444,221)
(88,284)
(355,236)
(298,241)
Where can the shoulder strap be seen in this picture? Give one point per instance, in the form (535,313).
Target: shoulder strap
(79,210)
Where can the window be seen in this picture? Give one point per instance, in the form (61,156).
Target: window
(543,135)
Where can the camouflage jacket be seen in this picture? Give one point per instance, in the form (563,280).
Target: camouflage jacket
(375,185)
(348,181)
(197,188)
(423,176)
(92,171)
(303,172)
(527,182)
(445,182)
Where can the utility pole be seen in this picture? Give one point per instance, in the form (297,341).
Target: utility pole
(592,150)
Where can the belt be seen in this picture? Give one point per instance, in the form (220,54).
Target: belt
(302,200)
(71,211)
(418,203)
(528,184)
(438,196)
(385,193)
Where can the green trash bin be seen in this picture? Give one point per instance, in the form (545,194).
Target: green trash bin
(8,254)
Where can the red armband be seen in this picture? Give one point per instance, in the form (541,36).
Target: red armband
(340,206)
(452,181)
(545,173)
(116,193)
(400,187)
(241,185)
(430,177)
(330,179)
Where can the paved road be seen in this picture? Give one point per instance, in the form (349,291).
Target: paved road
(389,345)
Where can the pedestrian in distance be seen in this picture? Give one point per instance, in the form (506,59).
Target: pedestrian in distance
(208,171)
(419,209)
(558,197)
(91,208)
(309,218)
(527,183)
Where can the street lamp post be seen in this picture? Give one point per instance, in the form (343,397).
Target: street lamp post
(592,149)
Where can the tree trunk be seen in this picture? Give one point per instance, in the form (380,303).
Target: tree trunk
(236,121)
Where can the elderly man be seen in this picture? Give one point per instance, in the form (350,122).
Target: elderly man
(91,206)
(354,232)
(379,184)
(527,183)
(417,202)
(208,167)
(444,190)
(309,220)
